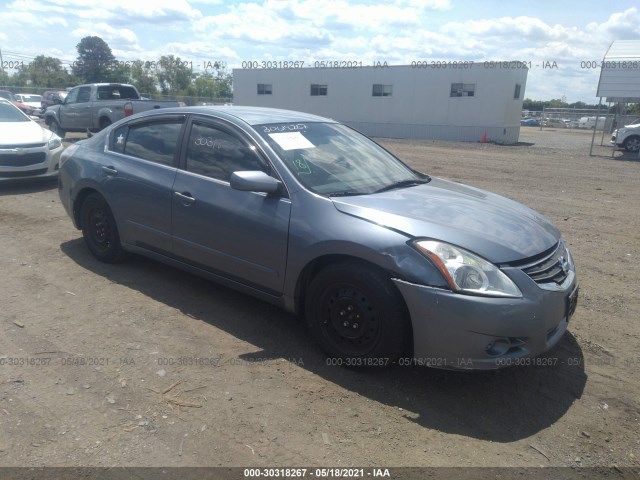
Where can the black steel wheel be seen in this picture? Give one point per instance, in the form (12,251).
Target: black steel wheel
(99,229)
(357,315)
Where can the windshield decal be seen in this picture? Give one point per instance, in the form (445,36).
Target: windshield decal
(291,140)
(302,167)
(284,128)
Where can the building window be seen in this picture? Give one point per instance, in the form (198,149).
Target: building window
(380,90)
(516,93)
(318,90)
(463,89)
(264,89)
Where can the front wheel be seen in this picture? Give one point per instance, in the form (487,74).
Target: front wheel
(99,229)
(632,144)
(357,316)
(55,127)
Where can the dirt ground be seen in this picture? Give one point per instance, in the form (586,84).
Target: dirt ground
(140,364)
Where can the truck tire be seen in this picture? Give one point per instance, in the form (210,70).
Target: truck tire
(104,123)
(55,127)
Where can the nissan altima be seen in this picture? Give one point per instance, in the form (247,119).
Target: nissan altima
(385,263)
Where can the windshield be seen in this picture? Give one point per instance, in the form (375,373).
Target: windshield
(9,113)
(333,159)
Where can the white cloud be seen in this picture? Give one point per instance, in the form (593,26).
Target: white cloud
(111,35)
(622,25)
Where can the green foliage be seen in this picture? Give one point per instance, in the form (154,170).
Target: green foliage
(45,72)
(539,105)
(95,60)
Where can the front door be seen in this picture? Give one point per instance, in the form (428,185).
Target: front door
(240,235)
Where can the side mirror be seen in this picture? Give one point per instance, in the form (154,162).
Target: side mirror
(254,181)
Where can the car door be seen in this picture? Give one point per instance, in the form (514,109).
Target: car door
(241,235)
(76,108)
(138,174)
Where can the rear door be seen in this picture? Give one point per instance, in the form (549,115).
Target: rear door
(240,235)
(138,175)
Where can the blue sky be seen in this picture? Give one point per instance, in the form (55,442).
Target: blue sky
(398,32)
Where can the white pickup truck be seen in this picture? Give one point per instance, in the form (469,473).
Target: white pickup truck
(627,137)
(95,106)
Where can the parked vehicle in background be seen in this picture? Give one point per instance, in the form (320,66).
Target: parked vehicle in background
(590,122)
(26,109)
(32,100)
(530,122)
(556,122)
(309,214)
(627,137)
(49,98)
(95,106)
(26,149)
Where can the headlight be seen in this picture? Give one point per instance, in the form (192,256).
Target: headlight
(54,142)
(466,272)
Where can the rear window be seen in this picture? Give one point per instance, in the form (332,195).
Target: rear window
(117,92)
(155,141)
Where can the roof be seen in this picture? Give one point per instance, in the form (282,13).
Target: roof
(250,115)
(620,72)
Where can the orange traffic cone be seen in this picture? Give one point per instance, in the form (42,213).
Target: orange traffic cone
(484,138)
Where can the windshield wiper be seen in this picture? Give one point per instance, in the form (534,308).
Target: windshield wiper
(345,193)
(402,184)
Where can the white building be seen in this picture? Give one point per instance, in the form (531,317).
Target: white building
(399,101)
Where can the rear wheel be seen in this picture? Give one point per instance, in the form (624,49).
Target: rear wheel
(104,123)
(99,229)
(357,315)
(632,144)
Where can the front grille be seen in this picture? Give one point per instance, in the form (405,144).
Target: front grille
(554,268)
(24,160)
(28,173)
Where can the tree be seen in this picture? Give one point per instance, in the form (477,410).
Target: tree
(95,60)
(143,77)
(46,72)
(174,75)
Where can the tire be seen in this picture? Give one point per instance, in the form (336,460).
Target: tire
(357,316)
(99,229)
(632,144)
(55,127)
(104,123)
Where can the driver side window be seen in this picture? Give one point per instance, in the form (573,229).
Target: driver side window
(72,97)
(214,153)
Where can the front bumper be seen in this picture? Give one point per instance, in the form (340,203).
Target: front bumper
(456,331)
(22,163)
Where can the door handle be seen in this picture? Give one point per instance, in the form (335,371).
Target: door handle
(185,198)
(110,170)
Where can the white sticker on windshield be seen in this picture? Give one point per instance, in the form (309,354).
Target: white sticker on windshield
(291,140)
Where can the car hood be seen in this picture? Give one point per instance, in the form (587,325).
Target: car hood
(492,226)
(17,133)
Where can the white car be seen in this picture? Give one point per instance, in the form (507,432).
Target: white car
(26,149)
(627,137)
(34,101)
